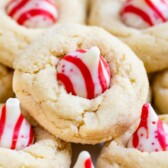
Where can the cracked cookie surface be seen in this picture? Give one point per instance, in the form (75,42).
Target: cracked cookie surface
(149,44)
(73,118)
(14,38)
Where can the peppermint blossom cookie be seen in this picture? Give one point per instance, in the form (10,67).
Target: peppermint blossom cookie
(24,146)
(142,24)
(160,91)
(22,21)
(6,90)
(82,85)
(142,146)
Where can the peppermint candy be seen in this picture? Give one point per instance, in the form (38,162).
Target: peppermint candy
(144,13)
(33,13)
(84,160)
(84,73)
(15,131)
(152,133)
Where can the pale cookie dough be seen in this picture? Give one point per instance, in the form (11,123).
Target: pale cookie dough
(115,154)
(160,92)
(149,44)
(6,90)
(15,38)
(73,118)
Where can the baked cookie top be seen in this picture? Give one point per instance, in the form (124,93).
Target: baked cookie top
(27,147)
(160,91)
(22,21)
(149,43)
(77,118)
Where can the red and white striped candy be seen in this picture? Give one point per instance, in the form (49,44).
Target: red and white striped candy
(152,133)
(33,13)
(144,13)
(84,73)
(84,160)
(15,131)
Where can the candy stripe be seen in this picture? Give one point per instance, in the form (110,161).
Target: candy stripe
(106,70)
(152,12)
(2,120)
(102,78)
(161,135)
(86,75)
(106,66)
(31,137)
(143,123)
(139,12)
(88,163)
(18,7)
(66,82)
(155,10)
(157,132)
(88,72)
(16,131)
(34,12)
(81,51)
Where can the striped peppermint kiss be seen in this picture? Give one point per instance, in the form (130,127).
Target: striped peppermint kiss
(15,131)
(33,13)
(152,133)
(84,73)
(144,13)
(84,160)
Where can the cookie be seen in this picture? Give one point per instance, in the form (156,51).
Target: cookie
(129,20)
(81,84)
(6,76)
(45,151)
(142,146)
(160,91)
(22,21)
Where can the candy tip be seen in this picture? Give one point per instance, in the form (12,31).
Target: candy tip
(94,50)
(12,101)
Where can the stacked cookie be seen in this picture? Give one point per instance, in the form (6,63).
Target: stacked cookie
(81,84)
